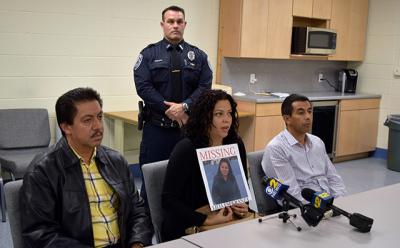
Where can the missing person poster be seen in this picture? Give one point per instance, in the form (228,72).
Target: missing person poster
(223,176)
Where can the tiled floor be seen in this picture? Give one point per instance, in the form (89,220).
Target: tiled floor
(365,174)
(358,175)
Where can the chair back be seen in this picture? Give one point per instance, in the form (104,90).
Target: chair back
(2,197)
(23,134)
(14,215)
(265,204)
(24,128)
(154,174)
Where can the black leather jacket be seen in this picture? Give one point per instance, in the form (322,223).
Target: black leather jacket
(54,205)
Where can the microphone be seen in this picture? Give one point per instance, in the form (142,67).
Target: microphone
(278,191)
(322,201)
(359,221)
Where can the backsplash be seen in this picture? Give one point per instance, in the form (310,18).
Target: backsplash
(279,75)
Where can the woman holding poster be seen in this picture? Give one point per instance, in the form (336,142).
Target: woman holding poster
(225,187)
(213,121)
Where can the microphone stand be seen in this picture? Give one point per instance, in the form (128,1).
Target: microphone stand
(285,216)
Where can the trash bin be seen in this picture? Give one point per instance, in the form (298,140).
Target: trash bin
(393,160)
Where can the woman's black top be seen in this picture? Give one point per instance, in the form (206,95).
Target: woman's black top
(224,191)
(184,190)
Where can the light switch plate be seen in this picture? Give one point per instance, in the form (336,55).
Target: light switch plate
(320,77)
(253,78)
(396,70)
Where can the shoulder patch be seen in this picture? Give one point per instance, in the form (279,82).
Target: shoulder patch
(138,61)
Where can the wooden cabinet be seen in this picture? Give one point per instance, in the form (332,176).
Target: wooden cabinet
(255,28)
(263,28)
(357,126)
(322,9)
(266,128)
(349,18)
(303,8)
(265,124)
(318,9)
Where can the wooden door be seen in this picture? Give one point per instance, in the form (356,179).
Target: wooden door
(279,36)
(230,19)
(357,29)
(266,129)
(340,22)
(302,8)
(357,126)
(322,9)
(349,18)
(254,29)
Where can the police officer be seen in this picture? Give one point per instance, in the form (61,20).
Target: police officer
(169,77)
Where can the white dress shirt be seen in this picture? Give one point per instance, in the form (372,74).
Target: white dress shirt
(301,166)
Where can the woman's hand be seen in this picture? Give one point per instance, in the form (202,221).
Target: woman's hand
(220,217)
(240,209)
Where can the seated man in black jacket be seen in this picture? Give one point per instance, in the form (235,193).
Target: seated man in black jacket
(79,193)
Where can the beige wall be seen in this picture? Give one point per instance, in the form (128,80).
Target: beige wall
(50,46)
(382,55)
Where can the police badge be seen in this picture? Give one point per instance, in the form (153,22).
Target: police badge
(138,61)
(190,55)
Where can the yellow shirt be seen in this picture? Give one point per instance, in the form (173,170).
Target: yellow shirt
(104,204)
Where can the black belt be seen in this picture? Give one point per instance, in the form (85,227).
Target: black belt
(161,121)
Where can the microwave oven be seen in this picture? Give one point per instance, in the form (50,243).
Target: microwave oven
(310,40)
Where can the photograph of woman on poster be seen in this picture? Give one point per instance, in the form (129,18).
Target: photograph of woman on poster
(225,187)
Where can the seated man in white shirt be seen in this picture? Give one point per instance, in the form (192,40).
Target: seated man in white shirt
(297,158)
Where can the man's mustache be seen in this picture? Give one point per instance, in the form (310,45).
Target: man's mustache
(97,134)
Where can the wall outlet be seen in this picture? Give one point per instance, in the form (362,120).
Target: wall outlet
(320,77)
(396,70)
(253,78)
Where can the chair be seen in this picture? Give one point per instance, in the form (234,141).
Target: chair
(153,174)
(12,196)
(2,197)
(265,204)
(23,134)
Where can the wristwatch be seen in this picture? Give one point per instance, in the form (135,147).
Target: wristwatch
(185,107)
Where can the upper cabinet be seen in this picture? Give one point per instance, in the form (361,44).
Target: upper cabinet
(349,18)
(263,28)
(255,28)
(318,9)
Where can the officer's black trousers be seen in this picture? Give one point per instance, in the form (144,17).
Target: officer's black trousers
(157,144)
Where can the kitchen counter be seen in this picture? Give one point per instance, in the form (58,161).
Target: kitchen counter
(313,96)
(356,127)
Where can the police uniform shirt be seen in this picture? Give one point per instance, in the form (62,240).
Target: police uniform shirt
(153,74)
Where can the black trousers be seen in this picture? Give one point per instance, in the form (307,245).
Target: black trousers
(157,144)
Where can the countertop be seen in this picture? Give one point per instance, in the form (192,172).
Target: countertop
(313,96)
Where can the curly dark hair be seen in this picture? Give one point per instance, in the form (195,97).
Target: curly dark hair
(199,124)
